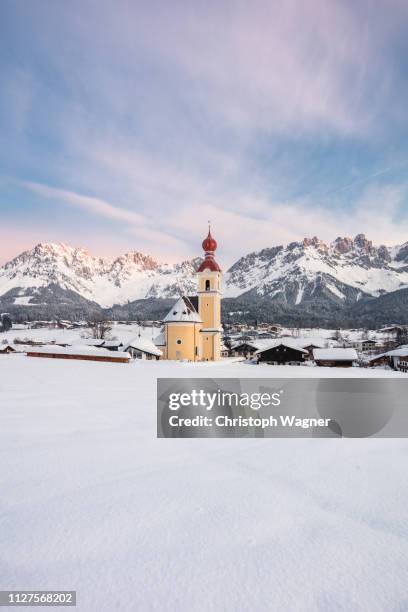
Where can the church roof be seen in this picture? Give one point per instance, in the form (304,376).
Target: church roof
(183,311)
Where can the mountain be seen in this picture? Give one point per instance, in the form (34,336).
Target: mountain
(344,271)
(25,279)
(308,280)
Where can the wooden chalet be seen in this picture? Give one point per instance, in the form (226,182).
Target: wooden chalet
(5,349)
(335,357)
(281,353)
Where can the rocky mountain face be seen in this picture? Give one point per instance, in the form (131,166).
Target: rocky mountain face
(310,274)
(103,281)
(344,271)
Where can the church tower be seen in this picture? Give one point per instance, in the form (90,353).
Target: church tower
(209,301)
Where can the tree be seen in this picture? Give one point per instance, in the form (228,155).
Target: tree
(402,335)
(5,322)
(99,326)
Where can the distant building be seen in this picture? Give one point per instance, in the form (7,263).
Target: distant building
(364,346)
(5,349)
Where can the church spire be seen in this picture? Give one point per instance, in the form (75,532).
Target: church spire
(209,246)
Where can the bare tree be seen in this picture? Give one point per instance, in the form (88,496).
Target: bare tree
(99,326)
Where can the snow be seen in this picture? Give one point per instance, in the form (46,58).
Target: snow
(339,354)
(299,294)
(22,300)
(336,291)
(91,500)
(306,264)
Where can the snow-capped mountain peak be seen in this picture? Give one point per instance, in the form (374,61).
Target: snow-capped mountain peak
(106,281)
(344,270)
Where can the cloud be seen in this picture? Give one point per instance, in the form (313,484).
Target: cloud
(94,205)
(132,222)
(237,112)
(282,66)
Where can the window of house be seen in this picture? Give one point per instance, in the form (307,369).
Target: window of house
(178,341)
(207,285)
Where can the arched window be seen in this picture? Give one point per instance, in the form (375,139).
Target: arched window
(207,285)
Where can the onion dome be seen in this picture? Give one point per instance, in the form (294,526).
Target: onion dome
(209,245)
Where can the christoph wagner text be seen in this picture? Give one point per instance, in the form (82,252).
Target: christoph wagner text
(206,400)
(263,423)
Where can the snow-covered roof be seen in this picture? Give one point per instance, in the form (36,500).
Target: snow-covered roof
(182,311)
(337,354)
(401,351)
(78,350)
(257,344)
(286,342)
(112,343)
(313,341)
(267,343)
(91,342)
(160,339)
(144,345)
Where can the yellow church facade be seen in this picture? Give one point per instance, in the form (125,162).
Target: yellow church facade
(192,327)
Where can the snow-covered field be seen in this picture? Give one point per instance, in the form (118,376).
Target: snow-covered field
(92,501)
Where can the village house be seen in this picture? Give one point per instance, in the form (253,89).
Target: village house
(335,357)
(282,352)
(364,346)
(396,359)
(6,348)
(141,348)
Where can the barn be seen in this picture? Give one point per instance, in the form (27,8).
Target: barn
(84,353)
(335,357)
(281,353)
(5,349)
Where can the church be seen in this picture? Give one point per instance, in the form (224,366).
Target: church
(192,328)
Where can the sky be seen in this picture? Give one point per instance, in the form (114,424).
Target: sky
(128,125)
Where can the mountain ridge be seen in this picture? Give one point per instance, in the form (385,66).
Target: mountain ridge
(309,273)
